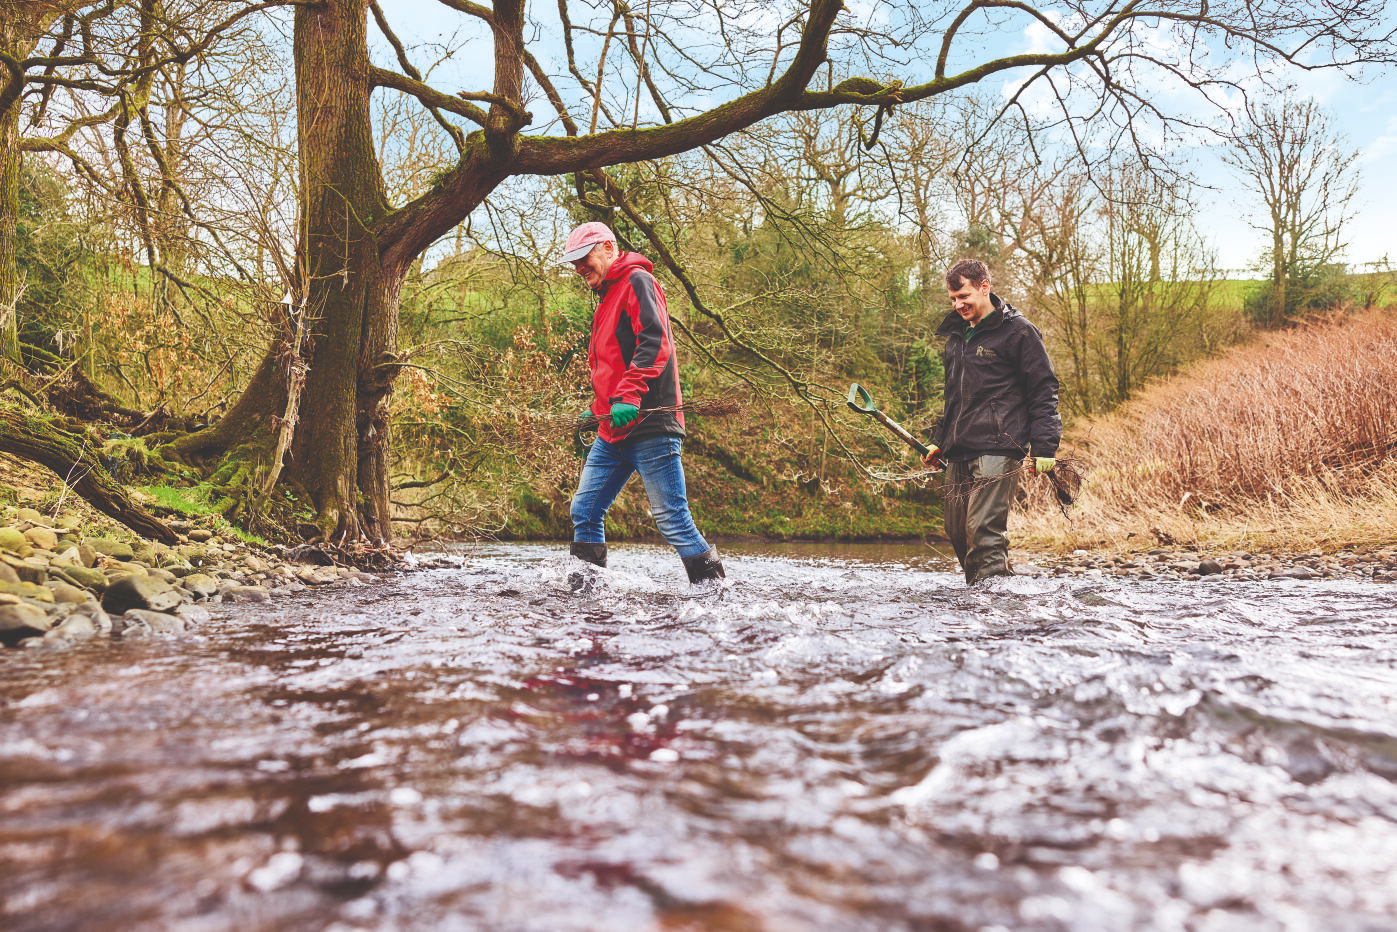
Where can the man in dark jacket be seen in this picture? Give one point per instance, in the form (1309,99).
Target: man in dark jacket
(1000,405)
(635,386)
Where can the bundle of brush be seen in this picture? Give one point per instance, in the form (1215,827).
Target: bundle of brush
(1065,479)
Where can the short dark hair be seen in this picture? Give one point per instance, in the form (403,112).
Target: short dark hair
(967,270)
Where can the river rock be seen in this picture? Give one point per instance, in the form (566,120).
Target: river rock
(12,538)
(199,535)
(28,590)
(68,522)
(73,627)
(144,553)
(7,573)
(22,620)
(154,622)
(1209,568)
(201,584)
(112,548)
(194,556)
(27,570)
(66,594)
(66,556)
(88,578)
(41,538)
(1292,572)
(87,554)
(143,592)
(100,619)
(247,594)
(160,573)
(194,615)
(32,516)
(116,569)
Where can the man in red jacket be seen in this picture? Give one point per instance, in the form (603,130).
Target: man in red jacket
(635,387)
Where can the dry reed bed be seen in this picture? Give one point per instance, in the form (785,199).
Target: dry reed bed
(1286,441)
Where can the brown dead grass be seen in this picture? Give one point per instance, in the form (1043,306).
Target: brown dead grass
(1286,442)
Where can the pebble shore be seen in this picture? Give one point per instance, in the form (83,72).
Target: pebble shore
(1378,566)
(59,584)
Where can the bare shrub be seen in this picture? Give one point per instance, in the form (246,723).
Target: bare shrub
(1292,435)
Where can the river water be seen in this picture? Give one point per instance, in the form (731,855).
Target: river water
(848,739)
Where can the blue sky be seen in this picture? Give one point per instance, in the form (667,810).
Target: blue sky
(1364,110)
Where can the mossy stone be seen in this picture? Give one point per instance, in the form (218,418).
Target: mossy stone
(41,538)
(117,549)
(64,593)
(95,580)
(196,556)
(28,590)
(12,538)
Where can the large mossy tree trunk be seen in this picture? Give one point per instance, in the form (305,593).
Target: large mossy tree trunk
(338,451)
(352,303)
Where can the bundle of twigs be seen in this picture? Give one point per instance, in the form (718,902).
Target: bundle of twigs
(1065,478)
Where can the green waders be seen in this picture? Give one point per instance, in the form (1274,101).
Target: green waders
(977,514)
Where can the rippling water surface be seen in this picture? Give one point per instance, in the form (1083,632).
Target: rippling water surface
(849,739)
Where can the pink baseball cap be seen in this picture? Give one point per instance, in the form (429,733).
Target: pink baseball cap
(581,240)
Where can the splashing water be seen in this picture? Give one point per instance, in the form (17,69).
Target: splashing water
(843,738)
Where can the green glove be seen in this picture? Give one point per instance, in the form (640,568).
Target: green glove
(1042,464)
(622,414)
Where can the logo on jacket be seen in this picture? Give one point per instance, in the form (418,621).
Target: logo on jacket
(981,351)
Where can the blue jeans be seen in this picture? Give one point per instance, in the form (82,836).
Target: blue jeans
(610,466)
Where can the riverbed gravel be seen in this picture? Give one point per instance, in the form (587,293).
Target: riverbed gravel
(1379,565)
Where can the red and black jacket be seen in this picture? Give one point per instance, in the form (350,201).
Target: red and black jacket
(632,354)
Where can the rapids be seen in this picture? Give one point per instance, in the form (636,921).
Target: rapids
(849,739)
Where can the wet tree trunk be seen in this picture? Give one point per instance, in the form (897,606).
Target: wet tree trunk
(340,445)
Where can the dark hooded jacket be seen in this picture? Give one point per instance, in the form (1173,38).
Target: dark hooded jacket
(631,354)
(1001,391)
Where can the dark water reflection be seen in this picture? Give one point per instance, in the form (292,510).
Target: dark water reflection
(849,740)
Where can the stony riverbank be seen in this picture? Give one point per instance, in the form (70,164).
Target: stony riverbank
(1377,565)
(61,580)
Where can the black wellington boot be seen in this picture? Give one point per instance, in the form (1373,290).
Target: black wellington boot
(594,554)
(705,569)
